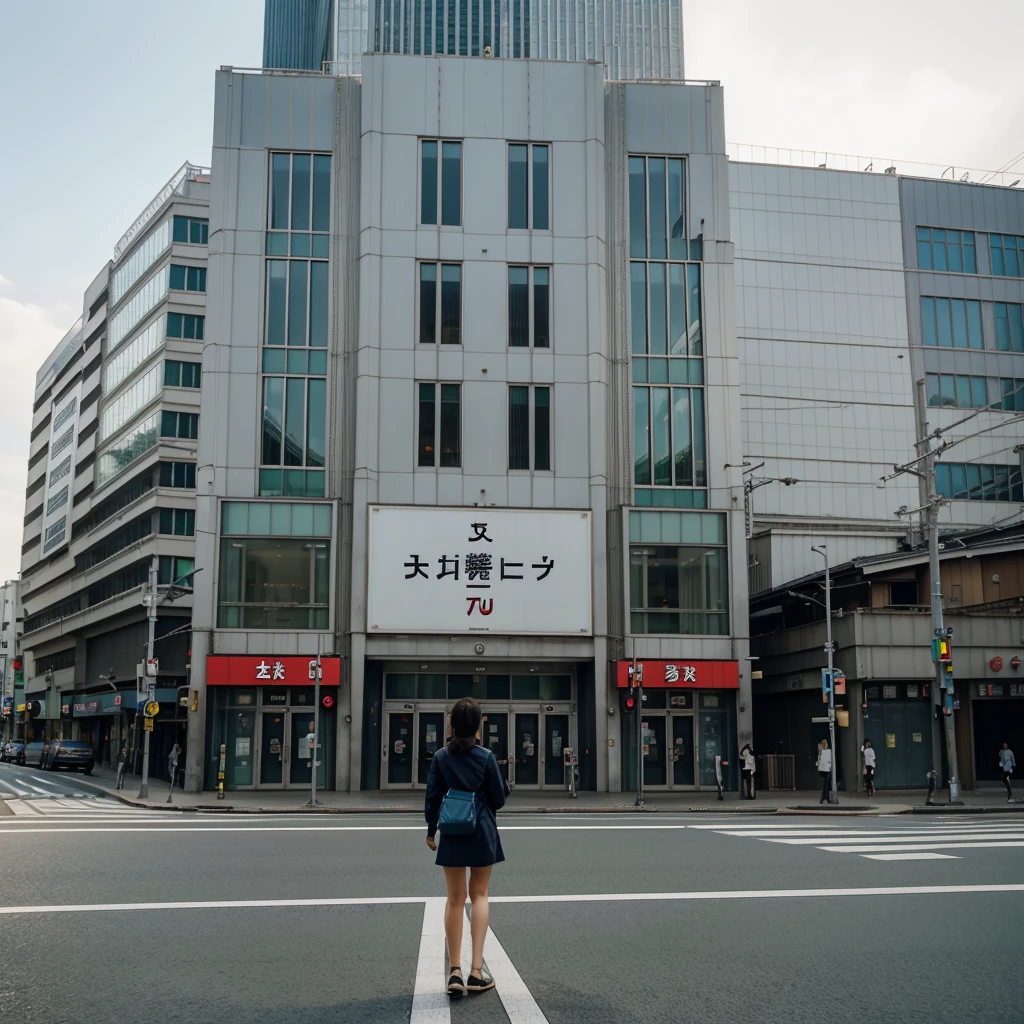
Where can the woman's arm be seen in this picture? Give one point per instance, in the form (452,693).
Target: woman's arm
(494,785)
(436,789)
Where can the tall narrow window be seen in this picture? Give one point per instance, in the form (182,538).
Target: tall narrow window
(529,307)
(440,182)
(529,427)
(439,426)
(529,186)
(440,308)
(637,208)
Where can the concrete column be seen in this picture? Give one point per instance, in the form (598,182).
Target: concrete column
(355,709)
(195,749)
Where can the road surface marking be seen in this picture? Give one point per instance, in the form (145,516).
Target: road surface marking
(173,826)
(897,847)
(910,856)
(429,995)
(627,897)
(897,837)
(519,1004)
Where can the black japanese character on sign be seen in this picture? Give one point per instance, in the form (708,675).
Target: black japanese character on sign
(510,565)
(480,531)
(478,565)
(418,568)
(445,571)
(546,565)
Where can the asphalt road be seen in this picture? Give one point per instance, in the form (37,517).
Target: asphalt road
(595,918)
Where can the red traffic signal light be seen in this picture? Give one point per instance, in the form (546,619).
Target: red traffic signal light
(628,700)
(17,664)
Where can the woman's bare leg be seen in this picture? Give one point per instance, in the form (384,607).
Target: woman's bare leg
(480,915)
(455,913)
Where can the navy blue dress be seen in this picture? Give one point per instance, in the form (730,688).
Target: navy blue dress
(477,772)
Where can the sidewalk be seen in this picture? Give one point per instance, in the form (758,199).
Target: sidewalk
(103,782)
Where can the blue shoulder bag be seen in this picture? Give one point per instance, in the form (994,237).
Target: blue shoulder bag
(458,813)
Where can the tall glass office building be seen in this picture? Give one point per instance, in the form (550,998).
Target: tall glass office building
(633,39)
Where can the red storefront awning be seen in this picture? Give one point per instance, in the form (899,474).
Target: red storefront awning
(682,674)
(246,670)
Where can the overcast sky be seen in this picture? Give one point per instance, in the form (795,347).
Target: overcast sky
(103,100)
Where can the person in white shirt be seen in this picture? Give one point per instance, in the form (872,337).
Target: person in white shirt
(1006,766)
(868,753)
(748,764)
(825,771)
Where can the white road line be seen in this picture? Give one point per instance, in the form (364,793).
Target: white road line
(889,837)
(920,830)
(171,826)
(909,856)
(519,1004)
(896,847)
(628,897)
(429,996)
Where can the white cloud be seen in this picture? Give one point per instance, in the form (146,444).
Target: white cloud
(28,333)
(5,282)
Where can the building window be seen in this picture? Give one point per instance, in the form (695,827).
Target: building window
(529,307)
(679,579)
(120,366)
(1009,326)
(974,482)
(903,592)
(180,522)
(665,309)
(439,426)
(129,447)
(529,186)
(191,230)
(130,401)
(297,303)
(185,325)
(179,424)
(294,421)
(181,375)
(440,306)
(669,446)
(529,427)
(951,323)
(178,474)
(956,391)
(299,218)
(57,501)
(1012,391)
(1007,255)
(64,415)
(945,249)
(440,181)
(657,208)
(187,279)
(171,569)
(139,262)
(62,442)
(274,583)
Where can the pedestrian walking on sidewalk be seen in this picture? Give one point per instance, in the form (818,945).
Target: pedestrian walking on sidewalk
(469,836)
(825,771)
(748,763)
(1006,766)
(868,753)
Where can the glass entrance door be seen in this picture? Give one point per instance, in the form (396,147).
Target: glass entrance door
(712,745)
(399,750)
(495,737)
(429,739)
(682,750)
(526,747)
(272,749)
(653,732)
(556,739)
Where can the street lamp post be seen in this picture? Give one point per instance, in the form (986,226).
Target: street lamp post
(829,650)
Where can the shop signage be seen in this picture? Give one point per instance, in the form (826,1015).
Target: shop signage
(479,570)
(699,675)
(1001,689)
(245,670)
(996,664)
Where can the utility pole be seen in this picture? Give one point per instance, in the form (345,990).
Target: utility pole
(150,599)
(830,651)
(636,681)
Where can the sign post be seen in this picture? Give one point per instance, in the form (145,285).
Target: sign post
(315,745)
(638,680)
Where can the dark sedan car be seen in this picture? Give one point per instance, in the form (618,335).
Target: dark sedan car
(72,754)
(14,752)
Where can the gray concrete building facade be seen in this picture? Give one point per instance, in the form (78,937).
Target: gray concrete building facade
(469,387)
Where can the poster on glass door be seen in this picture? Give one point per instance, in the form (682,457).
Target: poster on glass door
(479,570)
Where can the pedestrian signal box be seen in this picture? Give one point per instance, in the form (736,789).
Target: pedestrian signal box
(942,650)
(628,700)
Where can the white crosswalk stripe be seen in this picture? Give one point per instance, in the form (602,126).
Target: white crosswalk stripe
(75,808)
(903,842)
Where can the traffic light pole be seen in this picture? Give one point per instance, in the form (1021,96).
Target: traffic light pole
(151,597)
(830,651)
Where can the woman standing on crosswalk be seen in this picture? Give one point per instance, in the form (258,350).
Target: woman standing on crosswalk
(466,775)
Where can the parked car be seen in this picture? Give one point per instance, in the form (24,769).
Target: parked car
(14,752)
(72,754)
(34,754)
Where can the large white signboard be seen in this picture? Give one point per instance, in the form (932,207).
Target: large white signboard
(479,570)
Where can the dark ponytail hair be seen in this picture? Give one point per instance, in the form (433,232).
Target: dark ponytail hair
(466,716)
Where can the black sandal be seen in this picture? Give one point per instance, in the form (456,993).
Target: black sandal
(456,986)
(479,984)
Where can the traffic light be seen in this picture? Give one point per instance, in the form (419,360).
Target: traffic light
(942,650)
(19,672)
(628,700)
